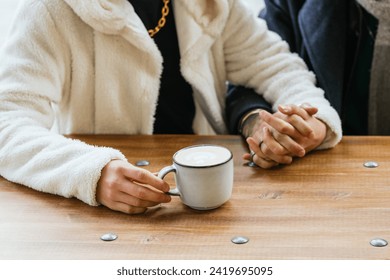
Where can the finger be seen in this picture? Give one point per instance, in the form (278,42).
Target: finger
(143,176)
(108,197)
(246,156)
(311,110)
(127,209)
(270,143)
(261,162)
(301,125)
(297,117)
(142,193)
(137,202)
(265,164)
(296,110)
(289,144)
(277,123)
(260,158)
(274,150)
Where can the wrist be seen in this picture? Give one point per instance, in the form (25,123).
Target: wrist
(248,122)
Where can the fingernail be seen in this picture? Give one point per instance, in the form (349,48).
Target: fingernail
(285,108)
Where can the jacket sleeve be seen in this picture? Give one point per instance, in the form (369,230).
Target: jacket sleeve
(33,71)
(239,101)
(258,58)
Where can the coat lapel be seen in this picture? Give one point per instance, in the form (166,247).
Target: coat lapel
(114,17)
(198,26)
(118,18)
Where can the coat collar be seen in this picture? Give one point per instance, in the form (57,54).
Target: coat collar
(206,18)
(106,16)
(114,17)
(198,25)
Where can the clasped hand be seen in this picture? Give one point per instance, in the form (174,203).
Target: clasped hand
(277,138)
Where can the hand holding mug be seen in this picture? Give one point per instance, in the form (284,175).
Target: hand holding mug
(130,189)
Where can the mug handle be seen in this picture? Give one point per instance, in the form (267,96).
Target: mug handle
(163,172)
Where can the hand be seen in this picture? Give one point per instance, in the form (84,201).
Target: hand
(292,131)
(308,131)
(262,159)
(129,189)
(253,130)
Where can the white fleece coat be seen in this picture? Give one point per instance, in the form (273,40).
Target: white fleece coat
(72,66)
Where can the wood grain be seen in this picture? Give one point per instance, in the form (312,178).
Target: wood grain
(324,206)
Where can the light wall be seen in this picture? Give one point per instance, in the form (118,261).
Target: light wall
(7,11)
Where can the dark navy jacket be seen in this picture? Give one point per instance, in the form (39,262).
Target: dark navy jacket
(317,31)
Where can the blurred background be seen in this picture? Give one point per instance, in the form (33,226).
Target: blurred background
(8,8)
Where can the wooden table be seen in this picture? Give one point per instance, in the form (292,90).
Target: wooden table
(324,206)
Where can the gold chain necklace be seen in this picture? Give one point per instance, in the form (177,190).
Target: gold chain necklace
(162,20)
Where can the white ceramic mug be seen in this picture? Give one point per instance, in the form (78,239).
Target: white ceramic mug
(203,175)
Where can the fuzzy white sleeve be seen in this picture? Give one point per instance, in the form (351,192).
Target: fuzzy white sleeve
(259,59)
(33,70)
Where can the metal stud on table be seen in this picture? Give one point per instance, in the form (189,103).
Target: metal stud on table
(109,237)
(142,162)
(378,242)
(371,164)
(240,239)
